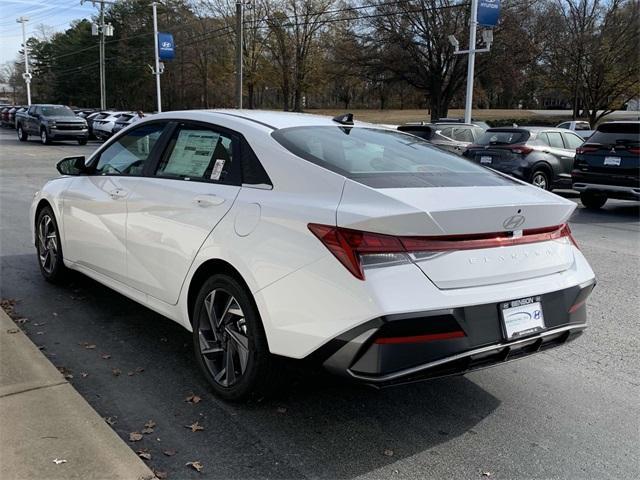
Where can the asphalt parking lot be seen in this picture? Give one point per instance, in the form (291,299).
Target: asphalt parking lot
(569,413)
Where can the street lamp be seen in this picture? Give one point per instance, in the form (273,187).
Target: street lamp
(26,75)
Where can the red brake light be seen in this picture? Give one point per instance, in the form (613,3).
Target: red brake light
(347,245)
(586,149)
(635,150)
(523,150)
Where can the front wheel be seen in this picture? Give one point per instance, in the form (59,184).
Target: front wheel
(229,341)
(44,137)
(593,201)
(22,135)
(48,246)
(540,179)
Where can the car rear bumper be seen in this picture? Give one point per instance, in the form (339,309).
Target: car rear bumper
(615,191)
(363,353)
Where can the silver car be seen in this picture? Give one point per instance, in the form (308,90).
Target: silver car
(453,137)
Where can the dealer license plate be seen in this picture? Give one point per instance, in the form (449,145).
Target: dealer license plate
(486,159)
(612,161)
(522,317)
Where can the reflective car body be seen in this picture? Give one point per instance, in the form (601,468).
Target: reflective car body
(365,250)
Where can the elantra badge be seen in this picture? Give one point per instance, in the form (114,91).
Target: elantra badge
(513,222)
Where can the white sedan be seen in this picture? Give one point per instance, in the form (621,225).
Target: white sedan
(362,249)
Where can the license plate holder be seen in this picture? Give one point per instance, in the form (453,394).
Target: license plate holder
(615,161)
(522,317)
(485,159)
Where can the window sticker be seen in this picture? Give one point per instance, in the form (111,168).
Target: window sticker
(217,169)
(192,153)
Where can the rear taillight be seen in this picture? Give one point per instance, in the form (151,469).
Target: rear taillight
(523,150)
(356,249)
(634,150)
(587,149)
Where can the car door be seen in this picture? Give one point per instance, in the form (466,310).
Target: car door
(562,155)
(31,123)
(173,211)
(95,208)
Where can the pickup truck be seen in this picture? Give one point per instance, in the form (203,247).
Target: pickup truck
(582,128)
(51,122)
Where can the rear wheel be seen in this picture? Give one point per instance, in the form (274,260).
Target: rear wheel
(592,200)
(48,246)
(22,135)
(540,179)
(229,341)
(44,137)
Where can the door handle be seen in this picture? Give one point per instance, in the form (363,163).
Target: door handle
(208,200)
(118,193)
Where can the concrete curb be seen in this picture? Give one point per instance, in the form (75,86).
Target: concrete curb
(43,418)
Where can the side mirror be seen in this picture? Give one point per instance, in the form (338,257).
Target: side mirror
(72,165)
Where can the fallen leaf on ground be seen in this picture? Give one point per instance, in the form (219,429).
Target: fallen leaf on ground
(281,410)
(139,369)
(147,431)
(195,465)
(110,420)
(84,374)
(22,321)
(160,474)
(193,399)
(68,376)
(144,453)
(106,356)
(195,427)
(163,339)
(90,346)
(150,424)
(116,372)
(135,436)
(13,330)
(39,333)
(388,453)
(169,453)
(82,344)
(55,314)
(58,461)
(486,474)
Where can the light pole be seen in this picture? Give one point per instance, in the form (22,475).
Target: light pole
(26,75)
(157,71)
(487,37)
(102,30)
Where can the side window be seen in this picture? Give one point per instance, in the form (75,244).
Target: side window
(572,141)
(463,135)
(542,138)
(129,154)
(253,173)
(32,110)
(447,132)
(565,125)
(198,153)
(555,139)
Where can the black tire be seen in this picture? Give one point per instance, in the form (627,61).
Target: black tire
(540,178)
(44,137)
(22,135)
(51,264)
(82,141)
(592,200)
(213,347)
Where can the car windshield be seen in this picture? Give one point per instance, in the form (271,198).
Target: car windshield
(384,158)
(57,112)
(503,137)
(617,134)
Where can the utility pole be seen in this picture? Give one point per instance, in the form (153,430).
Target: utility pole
(26,75)
(239,45)
(102,30)
(157,71)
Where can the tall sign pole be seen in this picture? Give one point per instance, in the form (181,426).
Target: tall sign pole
(26,75)
(103,83)
(471,61)
(239,45)
(155,44)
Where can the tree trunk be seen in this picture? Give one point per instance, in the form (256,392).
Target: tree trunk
(250,94)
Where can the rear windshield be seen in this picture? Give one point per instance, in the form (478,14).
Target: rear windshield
(503,137)
(617,134)
(384,158)
(583,126)
(57,112)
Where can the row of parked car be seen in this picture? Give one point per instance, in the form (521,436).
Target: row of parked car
(599,164)
(59,122)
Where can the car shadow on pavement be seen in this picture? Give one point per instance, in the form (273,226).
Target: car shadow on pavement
(133,366)
(611,213)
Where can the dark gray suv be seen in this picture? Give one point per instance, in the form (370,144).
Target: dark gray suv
(51,122)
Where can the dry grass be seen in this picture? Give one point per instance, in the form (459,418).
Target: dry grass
(404,116)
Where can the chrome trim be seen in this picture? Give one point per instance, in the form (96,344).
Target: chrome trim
(489,348)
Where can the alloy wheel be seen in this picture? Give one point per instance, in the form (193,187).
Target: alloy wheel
(19,133)
(43,137)
(47,244)
(223,338)
(539,180)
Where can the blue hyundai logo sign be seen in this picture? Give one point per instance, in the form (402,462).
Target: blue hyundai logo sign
(166,47)
(488,12)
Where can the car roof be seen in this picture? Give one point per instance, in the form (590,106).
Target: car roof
(532,129)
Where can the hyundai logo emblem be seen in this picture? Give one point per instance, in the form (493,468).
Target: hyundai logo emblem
(513,222)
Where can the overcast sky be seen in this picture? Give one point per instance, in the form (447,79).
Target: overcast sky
(53,13)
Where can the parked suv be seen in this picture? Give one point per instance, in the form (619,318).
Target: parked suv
(539,155)
(608,165)
(51,122)
(454,137)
